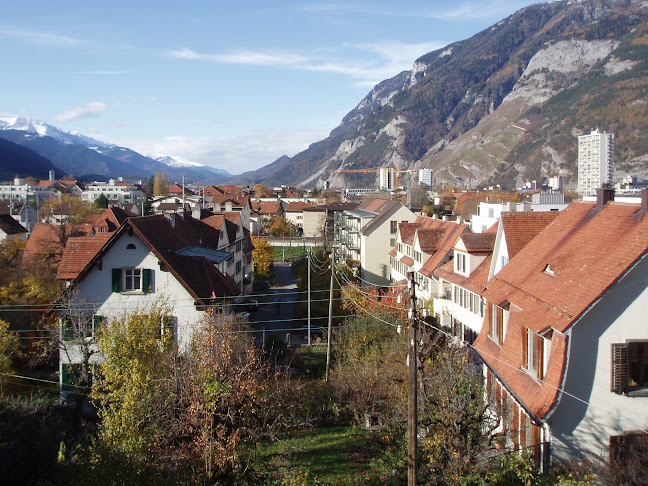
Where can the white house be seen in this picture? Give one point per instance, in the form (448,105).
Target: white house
(422,247)
(565,344)
(117,190)
(170,258)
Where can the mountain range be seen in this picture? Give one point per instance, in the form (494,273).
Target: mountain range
(502,107)
(85,157)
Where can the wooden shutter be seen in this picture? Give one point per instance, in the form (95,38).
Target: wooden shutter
(500,325)
(147,280)
(539,344)
(525,347)
(619,367)
(116,279)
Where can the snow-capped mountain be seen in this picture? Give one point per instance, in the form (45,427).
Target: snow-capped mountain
(88,158)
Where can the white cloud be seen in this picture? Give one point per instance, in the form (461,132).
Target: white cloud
(233,154)
(44,38)
(367,64)
(92,109)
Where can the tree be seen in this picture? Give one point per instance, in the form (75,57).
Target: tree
(418,195)
(8,347)
(260,190)
(101,202)
(280,226)
(262,256)
(147,207)
(160,184)
(134,388)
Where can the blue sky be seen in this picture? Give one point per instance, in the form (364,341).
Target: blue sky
(233,85)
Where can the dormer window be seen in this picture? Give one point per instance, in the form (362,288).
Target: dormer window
(533,353)
(131,246)
(461,263)
(548,270)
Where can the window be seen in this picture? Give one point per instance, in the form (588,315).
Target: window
(238,245)
(132,280)
(131,246)
(461,265)
(629,366)
(238,267)
(533,352)
(393,227)
(496,331)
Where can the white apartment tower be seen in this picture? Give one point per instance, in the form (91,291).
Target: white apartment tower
(425,177)
(595,161)
(386,178)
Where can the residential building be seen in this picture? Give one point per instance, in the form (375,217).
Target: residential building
(294,213)
(425,177)
(367,234)
(230,203)
(262,212)
(10,228)
(19,190)
(387,178)
(595,161)
(459,306)
(319,220)
(564,339)
(23,212)
(422,247)
(115,189)
(175,259)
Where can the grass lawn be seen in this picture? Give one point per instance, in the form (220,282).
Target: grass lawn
(332,455)
(284,253)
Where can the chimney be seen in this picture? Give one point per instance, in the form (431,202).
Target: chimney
(171,219)
(603,196)
(196,212)
(644,200)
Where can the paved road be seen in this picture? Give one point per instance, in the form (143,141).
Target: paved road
(276,308)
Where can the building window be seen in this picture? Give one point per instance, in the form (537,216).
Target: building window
(393,227)
(238,245)
(533,352)
(238,267)
(132,280)
(496,331)
(131,246)
(461,263)
(629,366)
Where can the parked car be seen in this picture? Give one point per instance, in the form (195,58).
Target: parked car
(251,305)
(316,331)
(261,285)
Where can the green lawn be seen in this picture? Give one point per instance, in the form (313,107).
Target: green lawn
(333,455)
(282,253)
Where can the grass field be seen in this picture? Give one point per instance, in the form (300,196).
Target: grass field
(333,455)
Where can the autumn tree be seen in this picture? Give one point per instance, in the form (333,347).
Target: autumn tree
(134,390)
(160,184)
(8,347)
(260,190)
(262,256)
(280,226)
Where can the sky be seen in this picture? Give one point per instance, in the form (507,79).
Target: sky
(233,85)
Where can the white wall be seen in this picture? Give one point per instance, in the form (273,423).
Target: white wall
(619,316)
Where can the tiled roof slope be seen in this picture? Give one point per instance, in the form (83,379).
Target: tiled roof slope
(267,207)
(10,226)
(437,239)
(582,266)
(477,281)
(479,242)
(383,207)
(78,253)
(298,207)
(521,227)
(45,242)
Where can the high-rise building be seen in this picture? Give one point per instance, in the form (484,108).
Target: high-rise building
(425,177)
(595,161)
(387,176)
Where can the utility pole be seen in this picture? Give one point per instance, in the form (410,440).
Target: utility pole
(330,318)
(309,298)
(412,411)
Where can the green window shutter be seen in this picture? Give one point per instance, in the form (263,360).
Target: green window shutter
(168,330)
(97,323)
(65,377)
(116,279)
(67,329)
(147,280)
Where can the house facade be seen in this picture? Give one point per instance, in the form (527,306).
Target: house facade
(149,260)
(368,233)
(422,247)
(564,343)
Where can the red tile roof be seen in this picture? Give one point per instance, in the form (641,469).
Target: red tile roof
(409,261)
(552,281)
(45,242)
(78,253)
(476,282)
(297,207)
(267,207)
(478,242)
(521,227)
